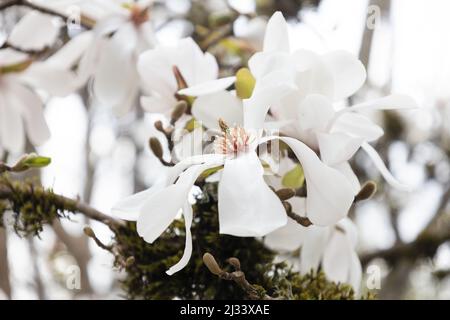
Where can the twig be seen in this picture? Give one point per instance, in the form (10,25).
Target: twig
(238,276)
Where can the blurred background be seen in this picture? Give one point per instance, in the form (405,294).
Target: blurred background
(101,158)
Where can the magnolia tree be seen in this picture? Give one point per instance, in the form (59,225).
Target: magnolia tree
(255,142)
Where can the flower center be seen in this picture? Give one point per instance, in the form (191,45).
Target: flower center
(232,141)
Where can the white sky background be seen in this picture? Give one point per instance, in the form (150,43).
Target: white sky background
(416,45)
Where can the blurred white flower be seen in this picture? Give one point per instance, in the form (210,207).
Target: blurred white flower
(108,54)
(21,107)
(198,70)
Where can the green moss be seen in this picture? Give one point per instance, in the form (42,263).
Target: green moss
(32,206)
(146,278)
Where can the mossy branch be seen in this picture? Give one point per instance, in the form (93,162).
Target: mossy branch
(35,206)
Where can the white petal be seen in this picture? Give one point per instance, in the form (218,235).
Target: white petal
(263,63)
(224,105)
(289,237)
(336,148)
(130,207)
(393,101)
(10,56)
(12,136)
(115,75)
(357,125)
(190,144)
(347,171)
(158,104)
(276,37)
(208,87)
(161,208)
(188,216)
(337,258)
(31,108)
(72,51)
(35,31)
(329,193)
(53,79)
(313,247)
(349,73)
(355,273)
(376,159)
(267,92)
(247,206)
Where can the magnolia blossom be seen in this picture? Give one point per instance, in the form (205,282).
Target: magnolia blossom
(247,206)
(164,69)
(332,248)
(108,54)
(320,80)
(21,109)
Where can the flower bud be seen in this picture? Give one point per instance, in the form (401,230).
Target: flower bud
(367,191)
(212,265)
(223,125)
(285,194)
(178,111)
(235,263)
(287,206)
(156,147)
(89,232)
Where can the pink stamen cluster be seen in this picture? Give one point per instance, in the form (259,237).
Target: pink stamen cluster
(232,141)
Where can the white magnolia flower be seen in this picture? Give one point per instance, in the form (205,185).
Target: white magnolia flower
(21,109)
(198,70)
(108,54)
(247,206)
(332,248)
(319,81)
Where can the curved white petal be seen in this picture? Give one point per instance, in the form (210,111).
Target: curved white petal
(291,236)
(130,207)
(329,193)
(349,73)
(224,105)
(276,37)
(247,206)
(30,107)
(393,101)
(262,63)
(10,56)
(208,87)
(336,148)
(190,144)
(376,159)
(35,31)
(347,171)
(161,208)
(188,216)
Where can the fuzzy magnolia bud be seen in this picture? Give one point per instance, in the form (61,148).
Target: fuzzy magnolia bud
(285,194)
(212,265)
(367,191)
(178,111)
(89,232)
(156,147)
(235,263)
(159,126)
